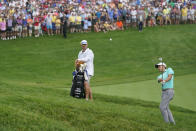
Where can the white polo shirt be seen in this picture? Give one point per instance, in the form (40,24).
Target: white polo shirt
(87,56)
(134,13)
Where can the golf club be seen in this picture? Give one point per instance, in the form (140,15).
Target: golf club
(161,60)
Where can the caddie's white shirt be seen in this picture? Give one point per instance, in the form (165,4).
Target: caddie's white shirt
(87,56)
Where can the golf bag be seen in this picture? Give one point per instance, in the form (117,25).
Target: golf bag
(78,90)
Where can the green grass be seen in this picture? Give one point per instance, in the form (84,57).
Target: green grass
(150,90)
(36,76)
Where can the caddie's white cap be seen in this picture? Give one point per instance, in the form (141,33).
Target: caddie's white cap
(83,42)
(161,63)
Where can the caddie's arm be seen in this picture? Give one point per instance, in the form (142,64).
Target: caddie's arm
(87,58)
(78,62)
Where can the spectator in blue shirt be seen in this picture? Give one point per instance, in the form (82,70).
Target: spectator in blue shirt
(24,27)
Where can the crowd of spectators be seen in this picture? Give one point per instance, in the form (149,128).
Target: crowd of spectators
(26,18)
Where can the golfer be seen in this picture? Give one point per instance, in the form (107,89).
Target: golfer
(86,55)
(166,78)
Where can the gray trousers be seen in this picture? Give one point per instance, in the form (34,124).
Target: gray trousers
(167,96)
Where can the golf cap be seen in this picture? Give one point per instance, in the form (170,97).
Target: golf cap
(83,42)
(161,63)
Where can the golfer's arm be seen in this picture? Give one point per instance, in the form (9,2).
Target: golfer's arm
(169,78)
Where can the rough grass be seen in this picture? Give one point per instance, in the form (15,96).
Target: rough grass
(43,108)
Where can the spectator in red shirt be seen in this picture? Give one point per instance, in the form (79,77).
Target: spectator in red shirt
(36,26)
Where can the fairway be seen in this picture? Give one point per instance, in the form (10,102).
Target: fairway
(36,76)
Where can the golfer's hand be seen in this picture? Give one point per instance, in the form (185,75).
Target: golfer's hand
(160,80)
(163,82)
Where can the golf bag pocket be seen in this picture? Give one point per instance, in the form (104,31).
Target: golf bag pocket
(77,89)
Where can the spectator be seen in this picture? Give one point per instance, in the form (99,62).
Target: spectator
(53,23)
(133,15)
(58,24)
(85,28)
(49,24)
(9,28)
(30,25)
(140,19)
(65,28)
(76,11)
(178,15)
(173,16)
(98,14)
(24,28)
(111,15)
(19,26)
(119,25)
(184,14)
(3,29)
(192,15)
(107,27)
(127,20)
(36,26)
(89,23)
(78,23)
(96,27)
(72,21)
(160,18)
(14,27)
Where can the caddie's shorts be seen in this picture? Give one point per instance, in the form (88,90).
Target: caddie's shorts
(87,77)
